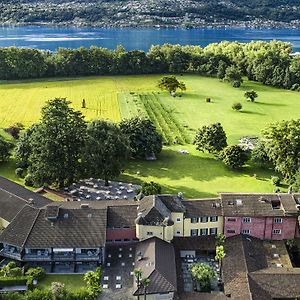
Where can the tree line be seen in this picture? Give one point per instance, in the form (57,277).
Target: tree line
(270,63)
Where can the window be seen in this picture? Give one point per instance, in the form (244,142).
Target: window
(213,231)
(246,231)
(204,231)
(178,232)
(231,220)
(204,219)
(230,231)
(149,233)
(194,232)
(214,219)
(178,220)
(276,231)
(278,220)
(194,220)
(246,220)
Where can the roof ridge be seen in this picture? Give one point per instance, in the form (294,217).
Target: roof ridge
(31,227)
(245,261)
(10,193)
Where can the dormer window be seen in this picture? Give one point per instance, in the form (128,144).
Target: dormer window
(276,204)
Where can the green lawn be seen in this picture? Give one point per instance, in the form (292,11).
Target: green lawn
(196,174)
(72,282)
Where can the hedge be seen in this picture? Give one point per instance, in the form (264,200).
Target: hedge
(13,281)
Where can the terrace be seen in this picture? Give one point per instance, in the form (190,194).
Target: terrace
(95,189)
(11,252)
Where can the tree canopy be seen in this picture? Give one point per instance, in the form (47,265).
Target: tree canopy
(282,146)
(143,138)
(171,84)
(211,138)
(106,149)
(5,148)
(54,144)
(251,95)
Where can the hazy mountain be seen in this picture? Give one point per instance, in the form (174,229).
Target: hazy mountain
(265,13)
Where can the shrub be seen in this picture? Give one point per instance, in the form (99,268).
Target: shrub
(12,281)
(149,188)
(208,100)
(15,130)
(237,106)
(29,180)
(236,84)
(275,180)
(295,87)
(19,172)
(234,156)
(37,273)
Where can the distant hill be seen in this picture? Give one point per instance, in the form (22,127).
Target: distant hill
(174,13)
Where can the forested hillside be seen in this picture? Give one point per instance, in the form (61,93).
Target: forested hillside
(183,13)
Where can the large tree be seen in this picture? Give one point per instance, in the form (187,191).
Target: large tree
(143,138)
(250,95)
(53,148)
(282,145)
(106,149)
(211,138)
(171,84)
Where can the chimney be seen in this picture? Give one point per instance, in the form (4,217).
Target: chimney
(84,205)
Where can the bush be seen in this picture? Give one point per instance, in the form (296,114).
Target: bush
(29,180)
(15,272)
(208,100)
(15,130)
(149,188)
(237,106)
(13,281)
(295,87)
(36,273)
(275,180)
(19,172)
(236,84)
(234,156)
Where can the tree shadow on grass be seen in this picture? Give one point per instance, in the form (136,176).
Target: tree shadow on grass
(269,104)
(172,165)
(249,112)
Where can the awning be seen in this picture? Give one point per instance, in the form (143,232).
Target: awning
(63,249)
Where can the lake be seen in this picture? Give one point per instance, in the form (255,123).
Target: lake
(50,38)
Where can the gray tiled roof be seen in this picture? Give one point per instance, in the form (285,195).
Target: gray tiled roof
(158,264)
(82,228)
(14,197)
(18,230)
(247,275)
(235,204)
(203,207)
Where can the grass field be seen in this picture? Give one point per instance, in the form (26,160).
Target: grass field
(120,97)
(72,282)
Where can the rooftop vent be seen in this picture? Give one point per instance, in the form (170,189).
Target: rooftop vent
(276,255)
(273,246)
(84,205)
(263,199)
(139,256)
(279,265)
(239,202)
(30,201)
(66,216)
(230,202)
(216,204)
(89,216)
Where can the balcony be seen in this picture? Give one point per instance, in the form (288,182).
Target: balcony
(10,253)
(87,257)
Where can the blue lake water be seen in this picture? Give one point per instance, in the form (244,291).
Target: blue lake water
(50,38)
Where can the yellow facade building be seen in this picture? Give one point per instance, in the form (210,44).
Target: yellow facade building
(168,216)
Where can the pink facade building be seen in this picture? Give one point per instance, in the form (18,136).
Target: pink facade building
(264,216)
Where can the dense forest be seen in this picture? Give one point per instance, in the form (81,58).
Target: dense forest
(271,63)
(187,13)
